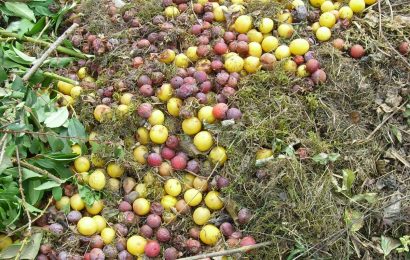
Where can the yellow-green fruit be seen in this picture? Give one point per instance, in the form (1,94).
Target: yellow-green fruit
(255,36)
(76,91)
(252,64)
(115,170)
(263,154)
(266,25)
(193,197)
(218,155)
(158,134)
(67,100)
(96,208)
(168,202)
(327,19)
(299,46)
(141,206)
(255,49)
(171,11)
(285,30)
(191,125)
(270,43)
(86,226)
(205,115)
(234,64)
(167,56)
(345,13)
(102,112)
(209,234)
(97,160)
(191,53)
(290,66)
(282,52)
(174,105)
(302,72)
(83,177)
(5,241)
(219,15)
(181,61)
(64,87)
(201,216)
(76,202)
(243,24)
(82,73)
(141,189)
(101,222)
(370,2)
(317,3)
(173,187)
(203,141)
(213,200)
(136,245)
(63,203)
(327,6)
(156,117)
(140,154)
(97,180)
(108,235)
(82,164)
(126,99)
(323,34)
(76,149)
(165,92)
(143,135)
(357,6)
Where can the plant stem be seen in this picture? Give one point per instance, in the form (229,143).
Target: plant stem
(45,44)
(227,252)
(38,170)
(58,77)
(50,49)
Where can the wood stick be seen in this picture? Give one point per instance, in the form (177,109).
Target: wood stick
(45,44)
(47,53)
(227,252)
(38,170)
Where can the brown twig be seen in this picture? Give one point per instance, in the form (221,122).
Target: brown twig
(53,134)
(383,122)
(23,197)
(227,252)
(47,53)
(36,169)
(34,220)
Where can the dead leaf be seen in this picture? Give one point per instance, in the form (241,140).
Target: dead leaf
(394,208)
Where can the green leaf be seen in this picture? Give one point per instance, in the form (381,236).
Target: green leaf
(369,197)
(321,158)
(57,193)
(24,56)
(57,119)
(348,179)
(21,10)
(58,62)
(3,74)
(89,196)
(18,84)
(33,194)
(397,133)
(55,143)
(354,219)
(30,250)
(333,157)
(38,26)
(33,209)
(388,244)
(64,157)
(76,130)
(47,185)
(5,163)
